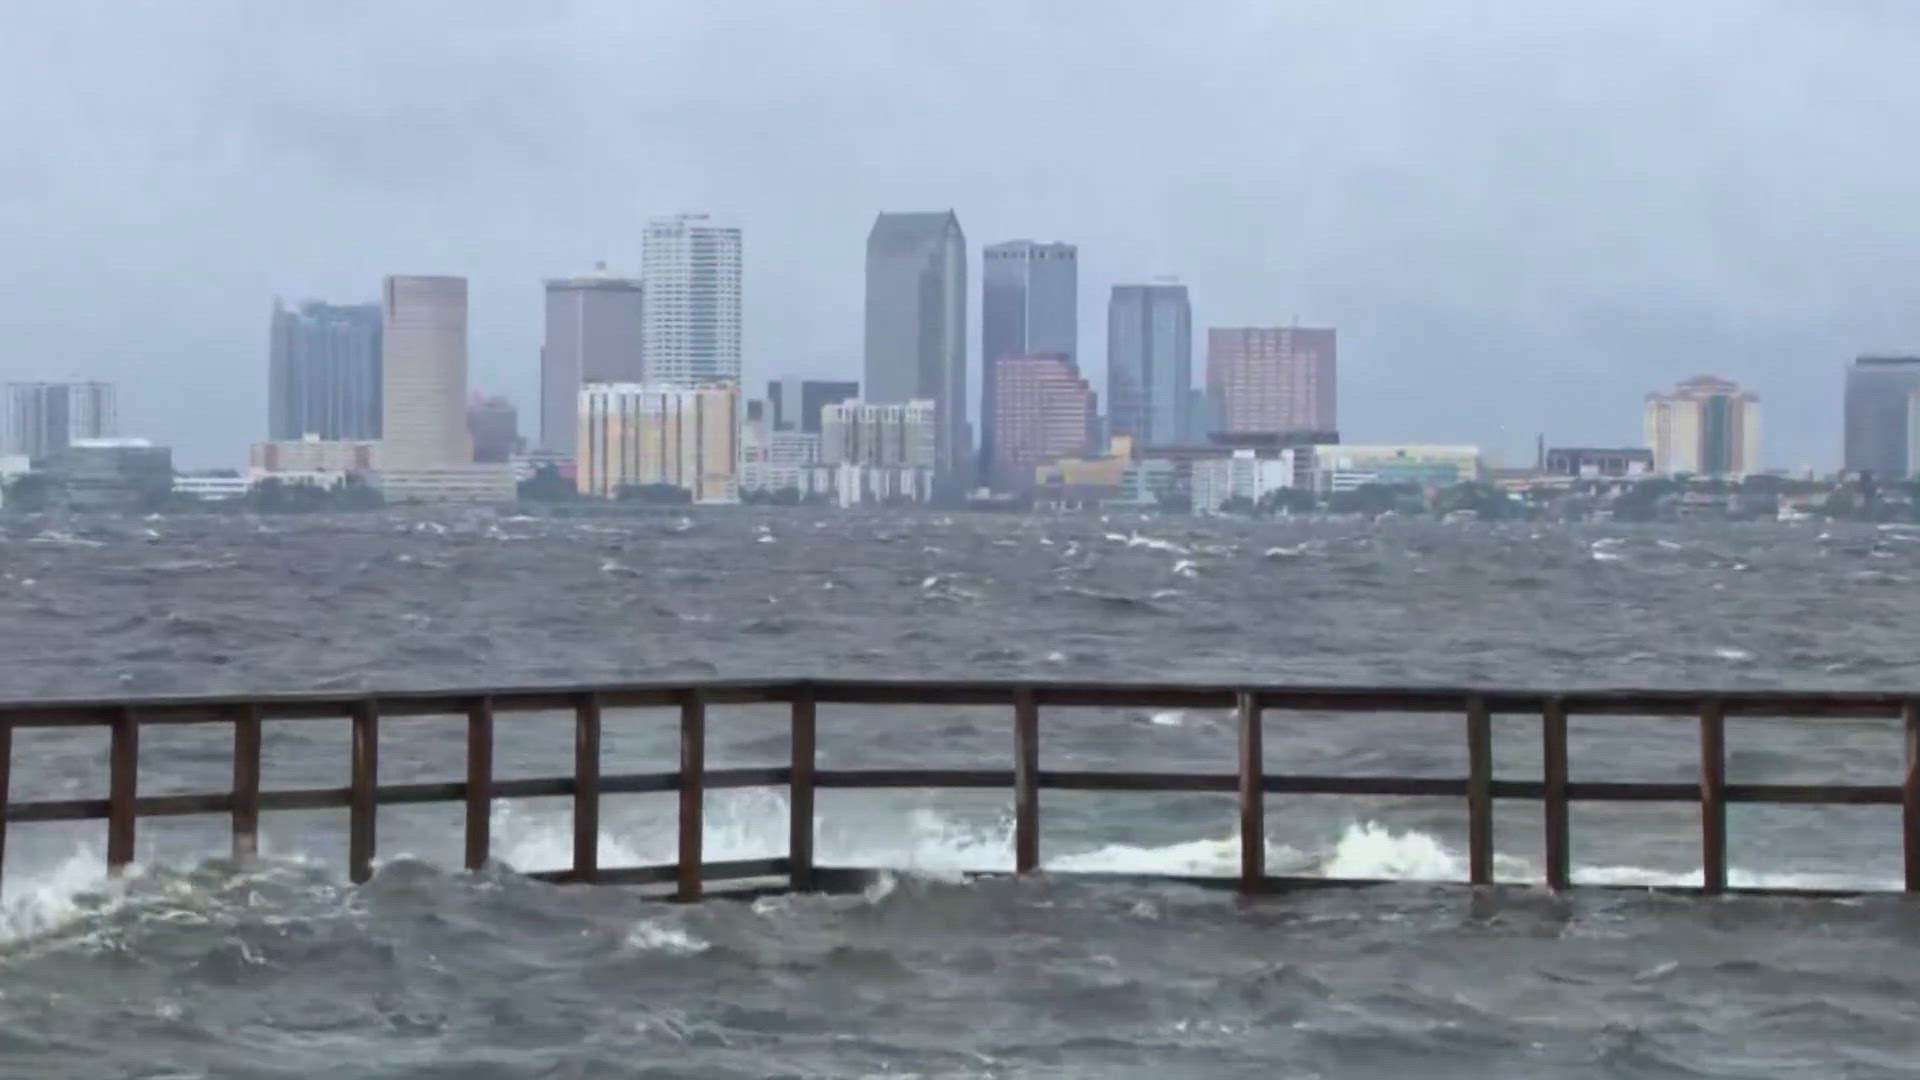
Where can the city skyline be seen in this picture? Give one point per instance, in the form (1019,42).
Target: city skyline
(1395,217)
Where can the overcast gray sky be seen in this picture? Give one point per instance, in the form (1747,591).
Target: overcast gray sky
(1520,216)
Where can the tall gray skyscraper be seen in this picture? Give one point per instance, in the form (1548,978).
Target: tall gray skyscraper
(1883,416)
(917,327)
(1029,305)
(595,326)
(692,270)
(44,418)
(424,374)
(1150,363)
(323,374)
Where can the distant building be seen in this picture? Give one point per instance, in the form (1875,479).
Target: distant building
(44,418)
(692,270)
(1346,466)
(1706,426)
(111,474)
(1150,363)
(595,333)
(1046,411)
(1883,416)
(916,332)
(494,426)
(212,487)
(426,452)
(642,435)
(796,402)
(320,462)
(900,435)
(776,460)
(1029,304)
(1272,379)
(324,371)
(11,466)
(1244,474)
(1608,462)
(424,374)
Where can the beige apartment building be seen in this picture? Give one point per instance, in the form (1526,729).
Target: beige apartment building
(636,434)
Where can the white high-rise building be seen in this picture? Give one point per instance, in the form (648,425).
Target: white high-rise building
(424,373)
(692,321)
(46,417)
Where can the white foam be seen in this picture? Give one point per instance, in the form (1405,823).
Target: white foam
(658,936)
(1169,718)
(36,901)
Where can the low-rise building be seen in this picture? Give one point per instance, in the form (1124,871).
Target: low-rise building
(1596,462)
(487,483)
(111,474)
(215,487)
(1243,475)
(1346,466)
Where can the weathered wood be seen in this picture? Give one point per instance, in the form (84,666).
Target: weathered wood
(246,785)
(693,767)
(913,778)
(1026,782)
(1554,811)
(123,783)
(800,795)
(725,870)
(1713,798)
(479,787)
(362,806)
(1253,814)
(6,792)
(1479,793)
(586,788)
(1910,796)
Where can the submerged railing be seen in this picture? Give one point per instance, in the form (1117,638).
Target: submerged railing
(364,794)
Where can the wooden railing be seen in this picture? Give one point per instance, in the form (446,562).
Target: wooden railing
(123,805)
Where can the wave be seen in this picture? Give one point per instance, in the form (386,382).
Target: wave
(921,843)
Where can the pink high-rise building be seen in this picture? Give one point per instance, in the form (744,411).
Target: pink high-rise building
(1271,379)
(1043,411)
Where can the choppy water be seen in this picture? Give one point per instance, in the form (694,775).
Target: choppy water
(191,968)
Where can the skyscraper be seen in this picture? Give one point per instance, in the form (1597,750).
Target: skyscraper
(1706,426)
(916,341)
(323,373)
(1149,363)
(1271,379)
(692,272)
(1029,304)
(595,330)
(1883,416)
(796,403)
(424,376)
(44,418)
(1046,412)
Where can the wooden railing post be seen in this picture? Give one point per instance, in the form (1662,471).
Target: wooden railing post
(586,788)
(123,782)
(6,796)
(1253,815)
(1910,796)
(479,783)
(1479,792)
(693,789)
(1026,781)
(1713,798)
(362,797)
(1553,762)
(800,794)
(246,784)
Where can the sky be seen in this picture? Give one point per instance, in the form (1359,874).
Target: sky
(1521,217)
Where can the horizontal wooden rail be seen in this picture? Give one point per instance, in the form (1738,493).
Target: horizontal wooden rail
(1252,708)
